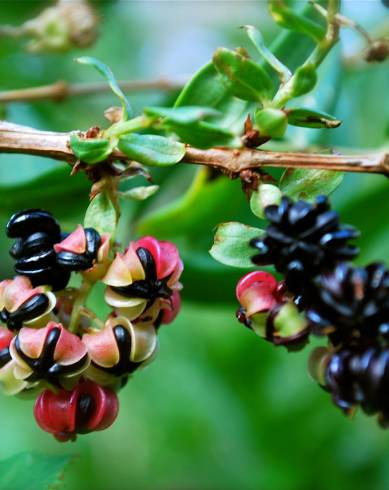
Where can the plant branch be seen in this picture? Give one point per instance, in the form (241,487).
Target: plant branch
(285,92)
(60,90)
(25,140)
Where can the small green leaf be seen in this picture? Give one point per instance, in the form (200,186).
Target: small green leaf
(90,150)
(307,184)
(110,77)
(246,79)
(206,88)
(101,215)
(140,193)
(32,471)
(151,149)
(232,244)
(266,195)
(295,21)
(308,118)
(303,81)
(256,38)
(182,115)
(203,134)
(271,122)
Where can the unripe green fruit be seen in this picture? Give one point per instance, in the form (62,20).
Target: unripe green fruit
(271,122)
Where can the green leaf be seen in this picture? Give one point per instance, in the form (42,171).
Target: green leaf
(206,88)
(32,471)
(90,150)
(256,38)
(271,122)
(140,193)
(246,79)
(266,195)
(307,184)
(182,115)
(110,77)
(291,19)
(101,215)
(151,149)
(197,211)
(303,81)
(203,134)
(231,244)
(308,118)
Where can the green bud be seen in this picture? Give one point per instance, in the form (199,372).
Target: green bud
(266,195)
(271,122)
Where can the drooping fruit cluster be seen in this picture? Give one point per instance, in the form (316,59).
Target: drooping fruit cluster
(54,347)
(322,294)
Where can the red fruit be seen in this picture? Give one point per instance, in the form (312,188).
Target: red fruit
(87,408)
(257,292)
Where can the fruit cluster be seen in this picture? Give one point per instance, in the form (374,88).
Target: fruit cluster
(53,347)
(323,294)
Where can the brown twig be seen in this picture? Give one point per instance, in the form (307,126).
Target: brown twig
(25,140)
(61,90)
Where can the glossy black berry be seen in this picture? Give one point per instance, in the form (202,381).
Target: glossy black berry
(36,231)
(303,240)
(24,223)
(351,305)
(360,377)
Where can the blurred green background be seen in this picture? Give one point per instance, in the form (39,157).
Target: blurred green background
(219,408)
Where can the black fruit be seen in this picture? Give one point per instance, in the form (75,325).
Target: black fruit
(303,240)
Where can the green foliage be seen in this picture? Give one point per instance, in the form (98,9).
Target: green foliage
(256,38)
(185,115)
(140,193)
(101,215)
(205,88)
(289,18)
(32,471)
(231,244)
(151,149)
(307,184)
(110,78)
(245,78)
(309,118)
(90,150)
(304,80)
(266,195)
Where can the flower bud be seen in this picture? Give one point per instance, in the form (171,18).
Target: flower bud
(51,354)
(21,304)
(119,349)
(271,122)
(87,408)
(63,27)
(144,279)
